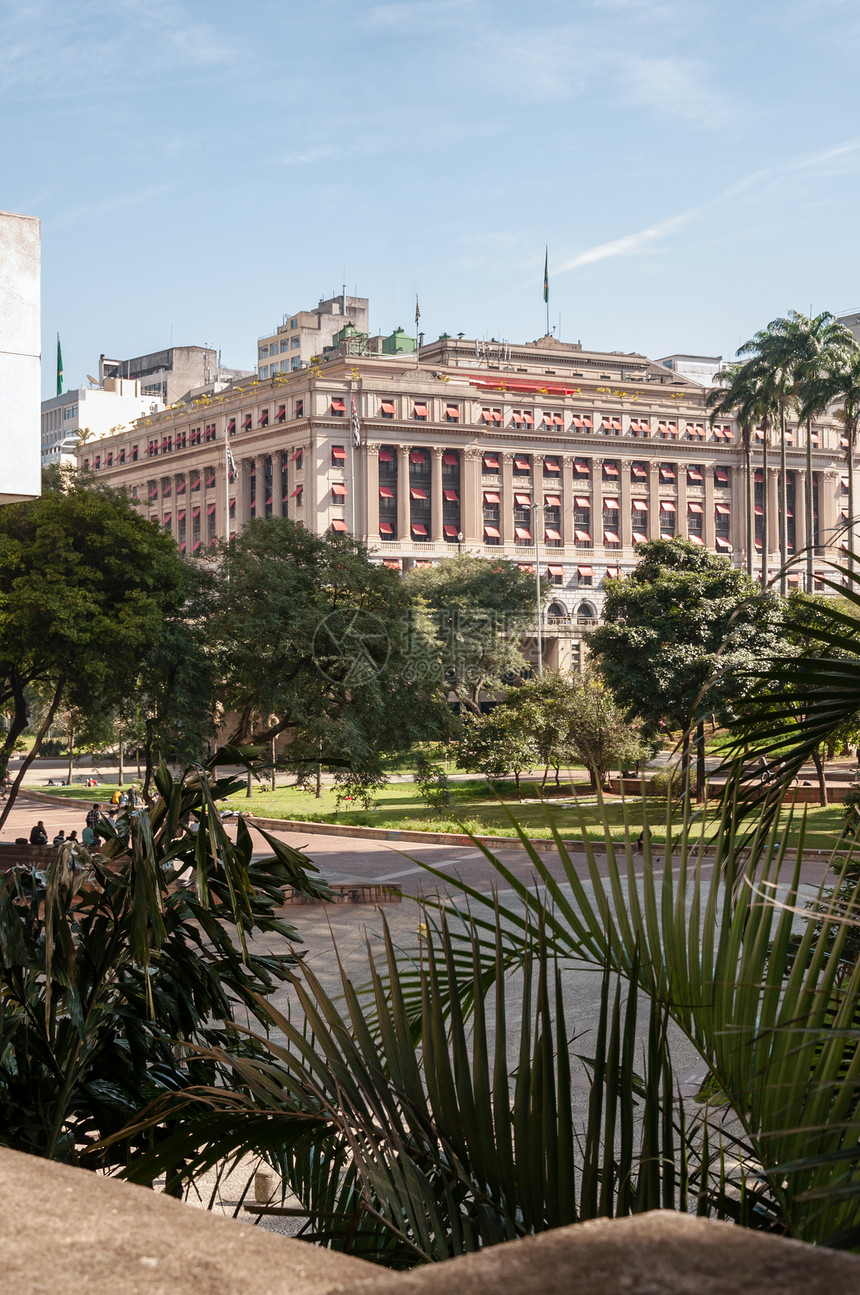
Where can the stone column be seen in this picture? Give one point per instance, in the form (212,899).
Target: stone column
(800,540)
(709,529)
(371,492)
(681,500)
(537,478)
(625,497)
(471,507)
(278,505)
(828,508)
(567,490)
(404,530)
(506,512)
(654,500)
(243,493)
(260,490)
(436,493)
(597,491)
(222,519)
(772,510)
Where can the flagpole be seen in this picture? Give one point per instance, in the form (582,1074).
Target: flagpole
(546,286)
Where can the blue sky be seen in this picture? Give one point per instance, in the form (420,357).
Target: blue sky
(202,169)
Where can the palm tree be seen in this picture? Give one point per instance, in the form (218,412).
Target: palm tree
(748,391)
(840,381)
(723,400)
(804,348)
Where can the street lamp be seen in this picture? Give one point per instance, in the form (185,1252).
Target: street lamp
(538,508)
(460,538)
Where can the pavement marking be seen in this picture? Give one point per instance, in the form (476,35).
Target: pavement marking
(408,872)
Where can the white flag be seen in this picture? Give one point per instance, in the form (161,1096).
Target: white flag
(231,461)
(355,426)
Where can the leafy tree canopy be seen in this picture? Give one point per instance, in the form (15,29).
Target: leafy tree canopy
(85,584)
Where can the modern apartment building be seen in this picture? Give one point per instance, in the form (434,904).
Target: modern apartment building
(540,453)
(93,411)
(699,368)
(20,360)
(301,337)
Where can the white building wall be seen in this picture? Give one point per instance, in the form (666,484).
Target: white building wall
(103,410)
(20,356)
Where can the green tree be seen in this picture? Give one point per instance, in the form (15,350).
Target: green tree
(599,732)
(477,612)
(313,641)
(542,708)
(497,744)
(85,584)
(683,620)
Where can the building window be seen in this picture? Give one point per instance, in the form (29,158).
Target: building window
(522,465)
(285,345)
(638,472)
(264,370)
(294,323)
(338,407)
(721,478)
(419,411)
(296,362)
(490,465)
(300,408)
(296,342)
(70,411)
(264,352)
(551,468)
(555,575)
(610,470)
(695,522)
(195,479)
(694,475)
(667,519)
(452,413)
(264,418)
(640,521)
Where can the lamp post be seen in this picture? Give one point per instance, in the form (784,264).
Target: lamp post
(460,538)
(536,508)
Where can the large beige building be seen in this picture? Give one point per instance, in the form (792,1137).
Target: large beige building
(541,452)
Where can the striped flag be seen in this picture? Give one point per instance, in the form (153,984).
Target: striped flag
(355,426)
(546,276)
(230,460)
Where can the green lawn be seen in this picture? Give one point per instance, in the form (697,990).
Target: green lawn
(476,810)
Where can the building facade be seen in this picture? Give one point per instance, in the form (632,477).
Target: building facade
(170,375)
(20,358)
(96,411)
(542,454)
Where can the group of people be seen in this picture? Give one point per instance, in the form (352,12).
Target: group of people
(121,800)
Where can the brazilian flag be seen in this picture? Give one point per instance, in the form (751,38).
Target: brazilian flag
(59,367)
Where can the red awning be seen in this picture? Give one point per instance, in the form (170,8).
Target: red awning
(298,490)
(387,407)
(693,474)
(338,489)
(487,415)
(338,404)
(417,493)
(423,562)
(552,501)
(639,538)
(640,505)
(451,496)
(497,416)
(452,412)
(582,501)
(490,461)
(417,456)
(385,456)
(296,454)
(385,528)
(338,452)
(610,469)
(521,533)
(612,572)
(451,459)
(166,519)
(492,531)
(524,501)
(585,571)
(450,531)
(694,508)
(611,505)
(386,492)
(667,473)
(522,465)
(559,420)
(393,564)
(609,537)
(552,535)
(723,543)
(721,475)
(528,417)
(550,465)
(195,511)
(723,509)
(555,571)
(581,468)
(420,411)
(584,537)
(666,506)
(419,528)
(491,497)
(525,566)
(180,516)
(338,525)
(210,508)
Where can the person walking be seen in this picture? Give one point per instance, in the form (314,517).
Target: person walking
(93,817)
(38,835)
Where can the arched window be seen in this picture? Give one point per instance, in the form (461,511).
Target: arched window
(586,609)
(556,609)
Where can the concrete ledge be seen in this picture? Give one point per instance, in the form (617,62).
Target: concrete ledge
(69,1232)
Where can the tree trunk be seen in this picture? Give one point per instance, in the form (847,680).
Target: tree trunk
(810,516)
(120,775)
(545,776)
(249,791)
(822,782)
(147,755)
(71,753)
(273,765)
(319,774)
(517,776)
(700,760)
(783,505)
(685,764)
(749,498)
(850,434)
(34,750)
